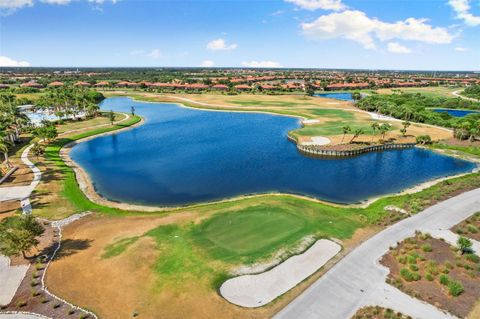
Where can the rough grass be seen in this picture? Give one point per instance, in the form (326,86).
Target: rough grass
(472,150)
(432,91)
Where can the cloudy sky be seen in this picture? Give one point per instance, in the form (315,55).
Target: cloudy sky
(369,34)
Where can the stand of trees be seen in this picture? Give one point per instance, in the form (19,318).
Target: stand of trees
(417,108)
(71,102)
(472,91)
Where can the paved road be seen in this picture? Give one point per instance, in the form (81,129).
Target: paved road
(358,279)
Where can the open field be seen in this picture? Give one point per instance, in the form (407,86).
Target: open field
(78,125)
(431,91)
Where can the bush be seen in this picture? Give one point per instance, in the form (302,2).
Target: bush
(473,258)
(408,275)
(455,288)
(413,267)
(427,248)
(472,229)
(444,280)
(429,277)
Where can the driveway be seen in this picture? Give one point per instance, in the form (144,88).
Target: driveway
(359,280)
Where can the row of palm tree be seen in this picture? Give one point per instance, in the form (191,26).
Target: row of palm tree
(12,123)
(383,128)
(70,102)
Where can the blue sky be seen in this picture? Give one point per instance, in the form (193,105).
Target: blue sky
(370,34)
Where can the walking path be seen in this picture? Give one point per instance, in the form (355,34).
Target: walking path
(22,193)
(258,290)
(457,94)
(358,279)
(10,279)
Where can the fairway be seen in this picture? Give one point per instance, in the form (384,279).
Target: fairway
(255,230)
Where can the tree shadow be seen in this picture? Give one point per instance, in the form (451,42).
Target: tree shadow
(72,246)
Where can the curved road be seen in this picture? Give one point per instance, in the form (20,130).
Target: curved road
(359,280)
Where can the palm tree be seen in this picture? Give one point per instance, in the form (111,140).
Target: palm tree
(346,129)
(357,133)
(384,128)
(4,146)
(375,126)
(405,125)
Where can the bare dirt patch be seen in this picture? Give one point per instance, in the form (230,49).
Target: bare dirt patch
(469,227)
(432,270)
(9,208)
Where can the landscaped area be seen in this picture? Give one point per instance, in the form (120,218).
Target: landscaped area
(433,271)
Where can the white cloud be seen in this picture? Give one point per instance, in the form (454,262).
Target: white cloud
(395,47)
(207,64)
(357,26)
(6,61)
(312,5)
(461,49)
(12,5)
(155,54)
(220,44)
(462,9)
(262,64)
(137,52)
(9,6)
(61,2)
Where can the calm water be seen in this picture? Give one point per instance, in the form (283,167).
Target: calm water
(184,155)
(456,113)
(337,96)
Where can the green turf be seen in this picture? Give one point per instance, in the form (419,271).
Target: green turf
(118,247)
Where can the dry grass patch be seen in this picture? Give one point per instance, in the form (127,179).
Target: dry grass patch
(378,313)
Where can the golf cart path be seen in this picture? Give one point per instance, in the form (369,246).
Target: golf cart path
(457,94)
(358,279)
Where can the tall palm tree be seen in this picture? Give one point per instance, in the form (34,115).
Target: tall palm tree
(346,129)
(375,126)
(4,147)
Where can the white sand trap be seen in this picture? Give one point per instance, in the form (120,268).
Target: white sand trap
(307,122)
(317,140)
(258,290)
(10,279)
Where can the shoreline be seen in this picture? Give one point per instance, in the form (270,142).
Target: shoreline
(86,185)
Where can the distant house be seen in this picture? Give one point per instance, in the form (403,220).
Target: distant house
(82,84)
(347,86)
(32,84)
(221,87)
(56,84)
(127,84)
(242,87)
(102,84)
(196,86)
(4,86)
(267,87)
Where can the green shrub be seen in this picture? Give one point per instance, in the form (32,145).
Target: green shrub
(427,248)
(472,229)
(473,258)
(413,267)
(429,277)
(455,288)
(444,280)
(408,275)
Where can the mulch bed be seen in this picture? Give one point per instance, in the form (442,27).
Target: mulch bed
(378,313)
(469,228)
(30,297)
(418,264)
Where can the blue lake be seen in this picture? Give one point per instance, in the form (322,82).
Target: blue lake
(338,96)
(182,156)
(456,113)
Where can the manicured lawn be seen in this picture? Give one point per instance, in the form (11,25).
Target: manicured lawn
(472,150)
(433,91)
(77,125)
